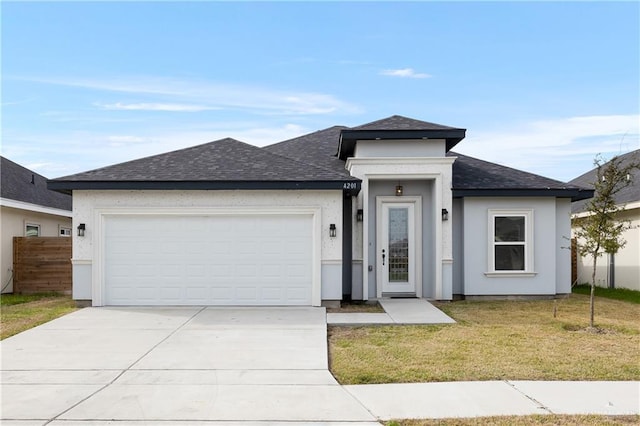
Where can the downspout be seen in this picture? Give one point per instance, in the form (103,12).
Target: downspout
(347,244)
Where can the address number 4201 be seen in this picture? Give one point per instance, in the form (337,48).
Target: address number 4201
(350,185)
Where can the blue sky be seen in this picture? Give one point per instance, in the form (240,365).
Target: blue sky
(543,87)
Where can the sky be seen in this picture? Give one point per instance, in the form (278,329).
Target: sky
(544,87)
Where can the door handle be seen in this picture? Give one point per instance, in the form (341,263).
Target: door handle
(383,256)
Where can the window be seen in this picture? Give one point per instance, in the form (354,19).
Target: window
(511,245)
(65,232)
(31,230)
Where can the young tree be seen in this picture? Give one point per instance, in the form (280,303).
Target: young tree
(600,230)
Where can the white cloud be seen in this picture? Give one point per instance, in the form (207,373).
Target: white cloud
(559,148)
(405,73)
(156,107)
(212,95)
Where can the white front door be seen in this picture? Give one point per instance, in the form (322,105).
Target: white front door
(398,246)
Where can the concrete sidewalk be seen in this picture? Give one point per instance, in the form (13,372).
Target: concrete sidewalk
(497,398)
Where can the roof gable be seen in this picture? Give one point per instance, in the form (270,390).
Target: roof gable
(21,184)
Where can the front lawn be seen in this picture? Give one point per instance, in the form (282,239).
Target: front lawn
(19,313)
(496,340)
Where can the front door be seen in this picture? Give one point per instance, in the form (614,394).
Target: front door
(398,242)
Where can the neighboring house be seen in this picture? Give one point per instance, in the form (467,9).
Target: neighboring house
(623,268)
(380,210)
(28,209)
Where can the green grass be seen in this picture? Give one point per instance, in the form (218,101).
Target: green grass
(19,313)
(16,299)
(627,295)
(496,340)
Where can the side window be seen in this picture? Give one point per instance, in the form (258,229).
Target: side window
(31,230)
(65,232)
(511,244)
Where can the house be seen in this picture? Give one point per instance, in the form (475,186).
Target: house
(623,268)
(384,209)
(27,209)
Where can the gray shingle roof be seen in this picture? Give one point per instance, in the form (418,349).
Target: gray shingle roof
(16,184)
(627,195)
(317,148)
(398,122)
(474,176)
(473,173)
(397,127)
(225,160)
(310,158)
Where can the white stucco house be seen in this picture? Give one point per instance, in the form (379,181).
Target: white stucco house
(27,209)
(620,270)
(385,209)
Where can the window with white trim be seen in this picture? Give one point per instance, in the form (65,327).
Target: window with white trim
(511,241)
(65,232)
(31,230)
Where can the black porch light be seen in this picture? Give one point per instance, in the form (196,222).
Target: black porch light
(81,229)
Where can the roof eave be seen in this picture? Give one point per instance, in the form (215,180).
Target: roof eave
(348,138)
(575,194)
(66,187)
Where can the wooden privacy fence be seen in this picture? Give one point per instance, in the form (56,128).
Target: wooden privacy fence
(41,264)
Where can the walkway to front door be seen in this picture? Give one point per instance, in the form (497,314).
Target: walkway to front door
(397,311)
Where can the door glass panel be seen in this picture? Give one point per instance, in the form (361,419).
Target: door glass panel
(398,244)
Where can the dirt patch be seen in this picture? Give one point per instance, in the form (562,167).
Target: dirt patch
(356,307)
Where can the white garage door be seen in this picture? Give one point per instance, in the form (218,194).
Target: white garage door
(208,260)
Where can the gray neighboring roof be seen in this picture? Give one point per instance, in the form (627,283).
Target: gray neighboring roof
(474,177)
(16,184)
(627,195)
(223,164)
(317,148)
(397,127)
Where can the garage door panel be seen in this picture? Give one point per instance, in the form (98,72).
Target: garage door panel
(208,260)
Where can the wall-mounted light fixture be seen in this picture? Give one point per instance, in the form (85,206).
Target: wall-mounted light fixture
(399,190)
(445,214)
(332,230)
(360,215)
(81,229)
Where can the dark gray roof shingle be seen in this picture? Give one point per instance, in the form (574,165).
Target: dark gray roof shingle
(16,184)
(472,176)
(222,160)
(627,195)
(397,127)
(472,173)
(398,122)
(317,148)
(309,158)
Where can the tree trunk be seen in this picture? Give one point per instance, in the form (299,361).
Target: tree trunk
(593,292)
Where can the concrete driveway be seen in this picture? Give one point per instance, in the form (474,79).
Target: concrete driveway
(182,365)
